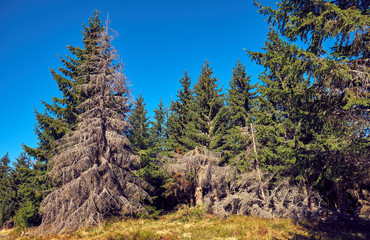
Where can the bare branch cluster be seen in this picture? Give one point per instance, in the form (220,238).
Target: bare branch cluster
(224,192)
(92,166)
(279,198)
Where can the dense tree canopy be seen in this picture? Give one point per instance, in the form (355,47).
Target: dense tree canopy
(317,97)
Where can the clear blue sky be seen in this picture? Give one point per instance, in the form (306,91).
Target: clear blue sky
(158,40)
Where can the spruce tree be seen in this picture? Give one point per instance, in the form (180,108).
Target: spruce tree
(281,122)
(341,72)
(150,171)
(328,130)
(20,192)
(172,129)
(207,126)
(180,116)
(139,131)
(158,130)
(61,116)
(27,195)
(240,100)
(7,208)
(92,165)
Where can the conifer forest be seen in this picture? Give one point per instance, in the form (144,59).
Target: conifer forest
(294,145)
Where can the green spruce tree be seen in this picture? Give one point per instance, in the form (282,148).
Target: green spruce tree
(139,132)
(282,119)
(240,100)
(207,126)
(150,170)
(325,132)
(172,129)
(7,207)
(27,195)
(61,116)
(180,116)
(157,129)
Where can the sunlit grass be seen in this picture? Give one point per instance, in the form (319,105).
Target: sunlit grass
(193,223)
(6,232)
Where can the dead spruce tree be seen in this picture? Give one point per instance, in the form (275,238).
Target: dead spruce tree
(91,166)
(223,191)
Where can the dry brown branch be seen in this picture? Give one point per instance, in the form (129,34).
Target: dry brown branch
(224,192)
(92,166)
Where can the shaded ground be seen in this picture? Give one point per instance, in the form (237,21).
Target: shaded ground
(339,227)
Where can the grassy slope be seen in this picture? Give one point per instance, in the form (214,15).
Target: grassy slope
(193,224)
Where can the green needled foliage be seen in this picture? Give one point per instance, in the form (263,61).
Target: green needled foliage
(20,191)
(28,190)
(343,70)
(172,128)
(180,115)
(147,138)
(317,99)
(61,116)
(157,129)
(240,100)
(7,207)
(208,124)
(317,21)
(281,107)
(139,132)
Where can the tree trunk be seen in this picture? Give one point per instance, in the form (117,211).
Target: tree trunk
(256,162)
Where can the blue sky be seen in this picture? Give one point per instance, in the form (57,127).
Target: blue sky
(157,40)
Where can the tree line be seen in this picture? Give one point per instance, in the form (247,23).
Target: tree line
(305,122)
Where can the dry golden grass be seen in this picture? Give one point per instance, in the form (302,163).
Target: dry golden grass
(194,224)
(5,233)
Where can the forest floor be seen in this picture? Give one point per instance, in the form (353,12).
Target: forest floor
(194,224)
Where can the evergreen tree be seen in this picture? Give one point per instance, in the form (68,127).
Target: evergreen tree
(61,116)
(147,140)
(27,196)
(7,207)
(281,123)
(239,106)
(139,132)
(157,130)
(150,170)
(325,132)
(208,125)
(172,129)
(20,192)
(341,72)
(180,116)
(92,165)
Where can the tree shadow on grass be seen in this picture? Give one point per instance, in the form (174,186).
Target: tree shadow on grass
(337,227)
